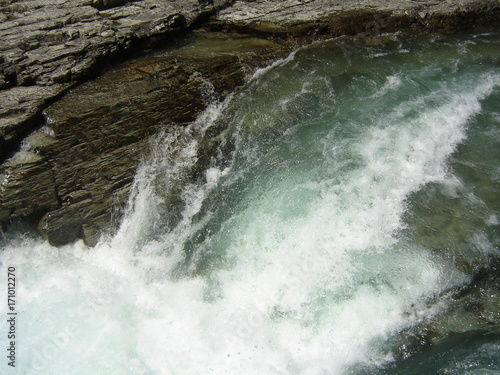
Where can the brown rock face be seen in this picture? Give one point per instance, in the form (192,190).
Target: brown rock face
(74,171)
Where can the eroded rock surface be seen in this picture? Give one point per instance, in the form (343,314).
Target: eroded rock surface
(285,18)
(49,43)
(71,174)
(68,177)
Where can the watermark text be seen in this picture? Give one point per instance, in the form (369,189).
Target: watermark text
(11,316)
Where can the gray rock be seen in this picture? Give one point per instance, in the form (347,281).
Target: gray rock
(20,111)
(26,187)
(340,17)
(49,43)
(87,153)
(72,176)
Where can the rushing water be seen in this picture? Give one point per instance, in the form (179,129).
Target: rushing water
(348,224)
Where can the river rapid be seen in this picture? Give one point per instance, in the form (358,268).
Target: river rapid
(348,223)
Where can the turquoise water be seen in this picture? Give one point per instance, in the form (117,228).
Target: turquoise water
(346,223)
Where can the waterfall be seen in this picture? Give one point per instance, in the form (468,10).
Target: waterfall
(349,197)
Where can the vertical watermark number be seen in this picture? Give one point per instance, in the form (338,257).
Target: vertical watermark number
(11,316)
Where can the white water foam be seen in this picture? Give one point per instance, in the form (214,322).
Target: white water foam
(393,82)
(314,280)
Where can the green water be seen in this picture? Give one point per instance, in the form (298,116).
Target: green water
(346,224)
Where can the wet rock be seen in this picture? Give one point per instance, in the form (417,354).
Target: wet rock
(38,33)
(296,18)
(95,136)
(45,44)
(20,112)
(26,187)
(71,177)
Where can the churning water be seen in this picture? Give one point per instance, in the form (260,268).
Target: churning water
(345,222)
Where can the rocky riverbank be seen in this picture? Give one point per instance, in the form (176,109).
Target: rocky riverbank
(69,150)
(51,45)
(297,18)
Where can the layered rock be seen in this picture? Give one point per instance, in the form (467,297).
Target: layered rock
(296,18)
(71,176)
(49,43)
